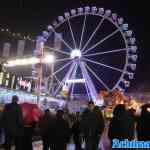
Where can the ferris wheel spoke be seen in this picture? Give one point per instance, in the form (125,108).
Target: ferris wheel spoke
(88,80)
(94,32)
(72,89)
(101,41)
(104,65)
(83,29)
(62,68)
(57,79)
(107,52)
(57,50)
(72,33)
(98,78)
(73,76)
(86,86)
(65,43)
(65,78)
(63,59)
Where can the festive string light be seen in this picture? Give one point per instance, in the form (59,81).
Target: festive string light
(14,34)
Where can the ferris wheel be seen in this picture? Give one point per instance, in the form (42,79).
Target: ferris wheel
(97,52)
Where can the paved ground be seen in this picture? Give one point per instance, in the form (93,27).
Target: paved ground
(104,144)
(38,146)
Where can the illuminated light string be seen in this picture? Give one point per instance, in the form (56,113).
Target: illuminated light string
(14,34)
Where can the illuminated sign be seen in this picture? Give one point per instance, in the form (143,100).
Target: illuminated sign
(11,81)
(75,81)
(24,84)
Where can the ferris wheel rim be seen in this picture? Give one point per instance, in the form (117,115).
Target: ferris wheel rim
(120,31)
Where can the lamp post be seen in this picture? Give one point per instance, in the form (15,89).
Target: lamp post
(38,68)
(51,79)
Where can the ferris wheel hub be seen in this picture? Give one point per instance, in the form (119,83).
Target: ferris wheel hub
(76,53)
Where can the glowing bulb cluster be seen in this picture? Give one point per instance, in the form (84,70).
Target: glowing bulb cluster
(76,53)
(29,61)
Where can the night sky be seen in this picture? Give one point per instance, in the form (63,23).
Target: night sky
(33,16)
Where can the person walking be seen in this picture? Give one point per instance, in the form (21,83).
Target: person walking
(1,130)
(13,124)
(27,137)
(76,131)
(122,124)
(61,132)
(44,125)
(92,126)
(143,124)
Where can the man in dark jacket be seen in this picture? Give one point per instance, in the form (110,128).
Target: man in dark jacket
(122,124)
(13,124)
(76,131)
(92,126)
(61,132)
(1,130)
(45,124)
(143,124)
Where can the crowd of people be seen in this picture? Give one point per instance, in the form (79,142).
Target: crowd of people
(88,127)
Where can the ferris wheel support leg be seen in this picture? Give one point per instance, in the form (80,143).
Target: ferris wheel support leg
(87,91)
(52,79)
(64,79)
(88,80)
(39,53)
(73,77)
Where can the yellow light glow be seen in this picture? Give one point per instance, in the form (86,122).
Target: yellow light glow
(49,59)
(148,109)
(29,61)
